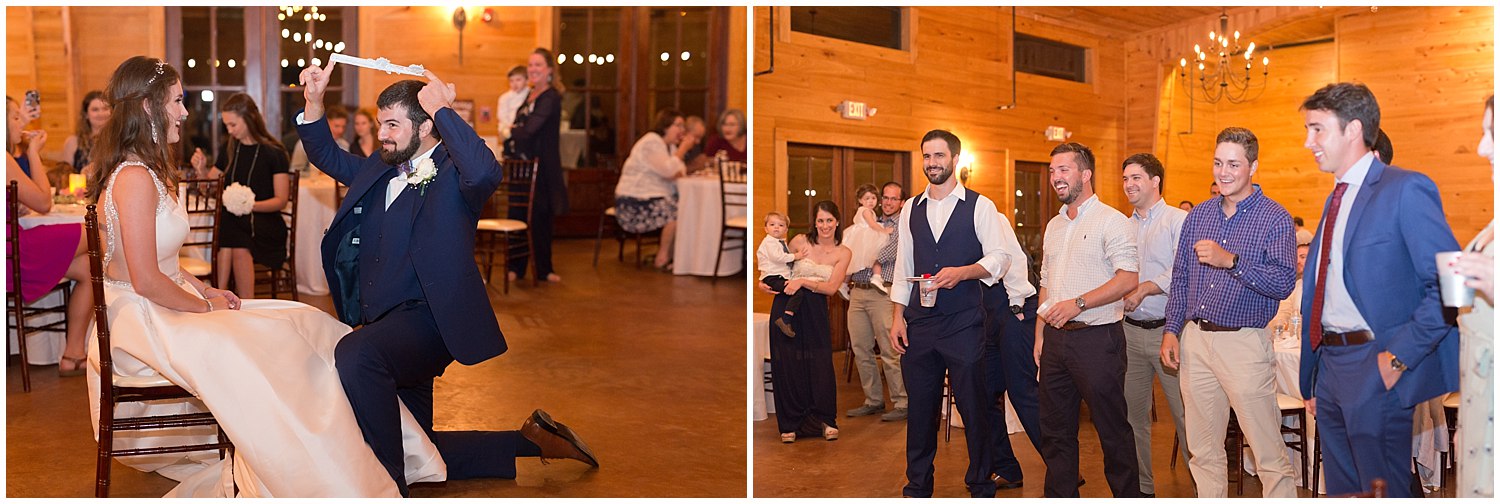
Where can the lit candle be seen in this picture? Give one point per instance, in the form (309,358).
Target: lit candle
(76,184)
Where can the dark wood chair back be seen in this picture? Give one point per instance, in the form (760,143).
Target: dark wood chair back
(201,201)
(111,394)
(283,279)
(734,197)
(13,300)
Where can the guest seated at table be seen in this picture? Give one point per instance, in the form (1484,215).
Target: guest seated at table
(91,118)
(646,196)
(364,144)
(251,158)
(1186,205)
(1292,305)
(338,121)
(50,252)
(16,143)
(731,137)
(696,129)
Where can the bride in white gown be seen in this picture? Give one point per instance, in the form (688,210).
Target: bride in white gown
(263,367)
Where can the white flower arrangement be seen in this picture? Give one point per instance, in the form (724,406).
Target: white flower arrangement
(238,199)
(422,175)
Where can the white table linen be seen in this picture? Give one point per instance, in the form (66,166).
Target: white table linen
(698,224)
(315,210)
(763,401)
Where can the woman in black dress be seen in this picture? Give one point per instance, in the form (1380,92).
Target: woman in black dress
(536,134)
(802,367)
(255,159)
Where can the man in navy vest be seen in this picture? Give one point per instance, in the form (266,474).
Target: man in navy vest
(952,235)
(399,256)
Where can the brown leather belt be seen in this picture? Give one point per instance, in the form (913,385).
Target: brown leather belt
(1074,325)
(864,285)
(1212,327)
(1350,338)
(1146,324)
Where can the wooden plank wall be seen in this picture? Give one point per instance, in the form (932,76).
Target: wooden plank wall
(739,79)
(490,49)
(64,52)
(1430,69)
(956,76)
(133,31)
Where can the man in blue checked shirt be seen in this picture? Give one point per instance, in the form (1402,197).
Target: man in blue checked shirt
(1236,260)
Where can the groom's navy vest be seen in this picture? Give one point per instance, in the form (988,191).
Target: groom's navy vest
(959,246)
(387,277)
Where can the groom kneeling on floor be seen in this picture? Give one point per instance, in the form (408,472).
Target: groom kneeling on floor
(399,256)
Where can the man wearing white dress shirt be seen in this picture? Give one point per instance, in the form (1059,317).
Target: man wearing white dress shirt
(1009,336)
(1089,262)
(1157,228)
(952,235)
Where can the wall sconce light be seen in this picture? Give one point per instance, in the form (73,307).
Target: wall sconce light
(488,16)
(460,18)
(966,166)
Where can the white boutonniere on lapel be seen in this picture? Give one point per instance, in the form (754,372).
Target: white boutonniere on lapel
(422,175)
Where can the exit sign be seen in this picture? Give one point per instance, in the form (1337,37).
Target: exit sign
(853,110)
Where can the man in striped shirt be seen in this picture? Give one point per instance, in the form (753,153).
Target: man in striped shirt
(1089,262)
(1236,260)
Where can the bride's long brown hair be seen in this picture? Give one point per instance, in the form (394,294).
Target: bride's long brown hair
(129,132)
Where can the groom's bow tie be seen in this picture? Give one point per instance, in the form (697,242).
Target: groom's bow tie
(404,170)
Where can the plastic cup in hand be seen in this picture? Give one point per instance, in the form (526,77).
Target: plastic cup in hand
(929,291)
(1455,293)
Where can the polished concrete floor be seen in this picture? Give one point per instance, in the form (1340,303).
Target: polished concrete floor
(869,458)
(646,367)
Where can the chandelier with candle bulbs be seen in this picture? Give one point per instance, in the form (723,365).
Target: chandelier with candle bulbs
(1224,69)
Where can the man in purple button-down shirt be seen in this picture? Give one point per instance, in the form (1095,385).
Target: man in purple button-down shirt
(1236,260)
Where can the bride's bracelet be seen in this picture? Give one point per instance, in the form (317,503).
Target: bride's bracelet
(209,303)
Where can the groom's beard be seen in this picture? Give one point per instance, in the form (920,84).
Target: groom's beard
(394,158)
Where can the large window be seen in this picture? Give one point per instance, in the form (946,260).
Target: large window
(1036,55)
(589,62)
(258,51)
(877,26)
(213,66)
(308,35)
(679,62)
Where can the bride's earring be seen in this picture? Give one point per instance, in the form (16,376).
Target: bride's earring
(154,139)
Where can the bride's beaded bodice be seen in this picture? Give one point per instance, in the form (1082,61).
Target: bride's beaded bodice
(171,230)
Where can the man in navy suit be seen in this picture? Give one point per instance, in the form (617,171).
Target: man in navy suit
(399,256)
(1375,343)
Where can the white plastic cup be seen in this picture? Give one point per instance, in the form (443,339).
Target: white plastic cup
(929,292)
(1455,293)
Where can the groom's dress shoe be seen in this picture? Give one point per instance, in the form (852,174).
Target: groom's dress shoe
(556,440)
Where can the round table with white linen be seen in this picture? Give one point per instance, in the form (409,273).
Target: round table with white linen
(699,209)
(315,211)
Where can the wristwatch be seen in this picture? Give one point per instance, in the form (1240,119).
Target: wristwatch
(1079,302)
(1235,262)
(1396,364)
(1015,309)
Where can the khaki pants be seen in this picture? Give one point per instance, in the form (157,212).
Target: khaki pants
(870,325)
(1142,363)
(1221,370)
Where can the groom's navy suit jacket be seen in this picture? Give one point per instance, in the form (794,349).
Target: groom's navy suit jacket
(430,235)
